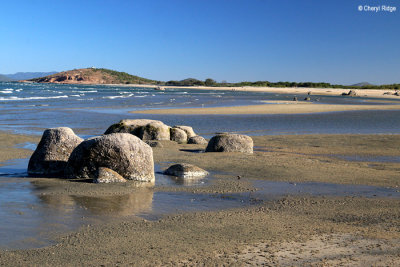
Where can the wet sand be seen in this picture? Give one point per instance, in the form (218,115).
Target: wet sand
(272,108)
(291,231)
(315,229)
(8,150)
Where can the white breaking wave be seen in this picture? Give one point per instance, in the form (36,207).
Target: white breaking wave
(14,98)
(117,96)
(83,92)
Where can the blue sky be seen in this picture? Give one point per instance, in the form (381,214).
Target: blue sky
(233,40)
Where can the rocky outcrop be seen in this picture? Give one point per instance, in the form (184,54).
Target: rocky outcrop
(197,140)
(189,130)
(230,143)
(92,76)
(184,170)
(52,153)
(106,175)
(178,135)
(142,128)
(123,153)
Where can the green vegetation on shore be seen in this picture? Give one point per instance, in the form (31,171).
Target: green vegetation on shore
(211,82)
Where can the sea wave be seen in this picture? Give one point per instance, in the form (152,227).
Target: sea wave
(117,96)
(14,98)
(83,92)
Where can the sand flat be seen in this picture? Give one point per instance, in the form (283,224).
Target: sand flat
(374,93)
(306,230)
(279,108)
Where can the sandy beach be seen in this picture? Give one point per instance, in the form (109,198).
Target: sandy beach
(373,93)
(295,230)
(273,107)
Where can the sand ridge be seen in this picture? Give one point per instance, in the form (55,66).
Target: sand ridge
(271,108)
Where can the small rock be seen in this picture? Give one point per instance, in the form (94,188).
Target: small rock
(153,143)
(185,170)
(189,130)
(350,93)
(295,98)
(106,175)
(197,140)
(307,99)
(155,131)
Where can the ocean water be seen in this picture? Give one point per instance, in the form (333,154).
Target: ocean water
(89,110)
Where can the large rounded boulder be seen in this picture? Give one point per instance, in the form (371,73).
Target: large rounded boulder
(230,143)
(143,128)
(52,153)
(123,153)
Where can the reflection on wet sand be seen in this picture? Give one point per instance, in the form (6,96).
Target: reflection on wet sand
(187,181)
(122,205)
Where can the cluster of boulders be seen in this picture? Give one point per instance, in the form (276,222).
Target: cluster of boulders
(156,130)
(122,152)
(61,153)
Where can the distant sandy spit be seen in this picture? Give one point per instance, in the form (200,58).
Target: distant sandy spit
(287,108)
(374,93)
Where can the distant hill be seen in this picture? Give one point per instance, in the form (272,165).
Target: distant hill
(93,76)
(27,75)
(4,78)
(363,84)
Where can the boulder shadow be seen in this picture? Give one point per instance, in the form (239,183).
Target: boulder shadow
(192,150)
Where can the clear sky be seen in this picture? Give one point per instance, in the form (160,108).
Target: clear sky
(232,40)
